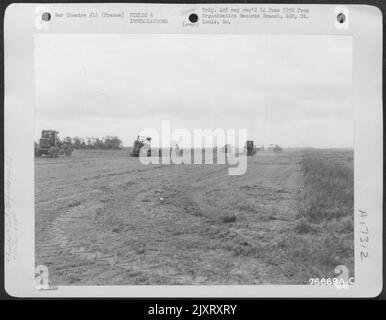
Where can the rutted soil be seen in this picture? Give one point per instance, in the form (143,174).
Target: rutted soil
(103,218)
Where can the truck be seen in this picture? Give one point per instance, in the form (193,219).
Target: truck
(50,145)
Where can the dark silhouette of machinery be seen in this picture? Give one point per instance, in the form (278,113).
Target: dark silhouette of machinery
(50,145)
(251,150)
(139,143)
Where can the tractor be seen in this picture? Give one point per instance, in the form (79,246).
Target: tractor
(139,143)
(50,145)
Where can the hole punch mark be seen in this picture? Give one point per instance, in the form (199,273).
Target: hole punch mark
(46,16)
(341,18)
(193,18)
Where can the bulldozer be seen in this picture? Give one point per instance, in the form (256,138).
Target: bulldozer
(139,143)
(50,145)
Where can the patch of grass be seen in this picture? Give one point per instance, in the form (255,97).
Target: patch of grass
(328,190)
(303,226)
(347,224)
(341,225)
(242,247)
(323,236)
(305,256)
(247,208)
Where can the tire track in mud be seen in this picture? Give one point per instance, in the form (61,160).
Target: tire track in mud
(66,254)
(61,242)
(57,244)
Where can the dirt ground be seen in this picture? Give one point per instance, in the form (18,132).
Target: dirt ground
(103,218)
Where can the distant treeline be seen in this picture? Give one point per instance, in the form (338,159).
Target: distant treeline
(108,142)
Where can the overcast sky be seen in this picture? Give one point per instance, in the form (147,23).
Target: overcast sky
(294,91)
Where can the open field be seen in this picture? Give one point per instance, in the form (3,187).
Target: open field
(103,218)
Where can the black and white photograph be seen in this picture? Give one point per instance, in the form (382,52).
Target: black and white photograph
(107,215)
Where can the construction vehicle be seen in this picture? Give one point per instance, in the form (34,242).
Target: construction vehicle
(251,150)
(50,145)
(139,143)
(275,148)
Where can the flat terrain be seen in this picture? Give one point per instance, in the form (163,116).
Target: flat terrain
(103,218)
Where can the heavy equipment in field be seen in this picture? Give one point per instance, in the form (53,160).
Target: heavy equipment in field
(139,143)
(249,146)
(275,148)
(50,145)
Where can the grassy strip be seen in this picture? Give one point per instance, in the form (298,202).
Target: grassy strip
(328,188)
(323,235)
